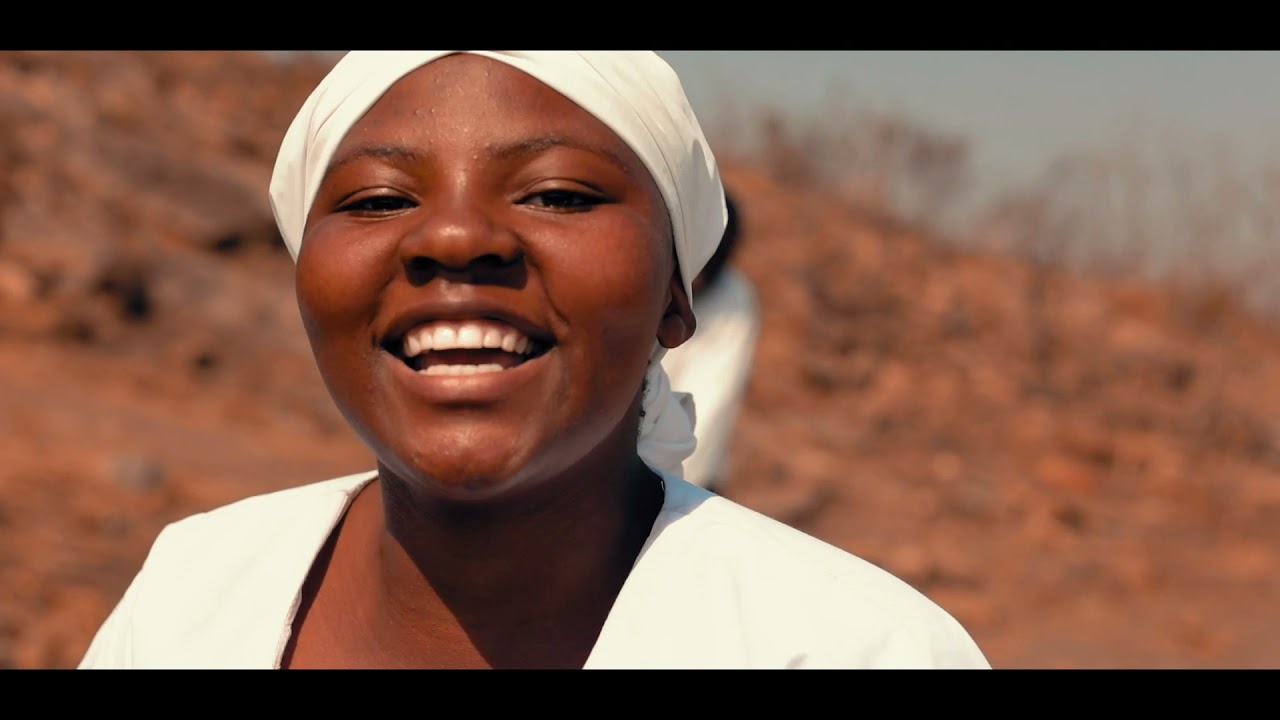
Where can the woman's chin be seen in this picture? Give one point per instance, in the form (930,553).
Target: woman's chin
(470,460)
(469,489)
(462,474)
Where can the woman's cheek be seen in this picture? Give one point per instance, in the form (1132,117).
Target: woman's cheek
(341,274)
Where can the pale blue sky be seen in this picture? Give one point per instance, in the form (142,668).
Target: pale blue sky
(1018,108)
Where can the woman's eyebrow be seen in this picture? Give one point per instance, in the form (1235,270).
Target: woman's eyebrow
(380,152)
(528,146)
(534,145)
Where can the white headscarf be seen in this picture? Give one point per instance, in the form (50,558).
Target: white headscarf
(635,93)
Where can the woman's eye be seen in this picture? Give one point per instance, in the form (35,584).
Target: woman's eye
(377,204)
(562,199)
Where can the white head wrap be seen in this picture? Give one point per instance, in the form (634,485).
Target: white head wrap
(635,93)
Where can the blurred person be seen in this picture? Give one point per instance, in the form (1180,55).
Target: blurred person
(715,364)
(494,250)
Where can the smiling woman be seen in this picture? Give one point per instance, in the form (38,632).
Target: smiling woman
(494,250)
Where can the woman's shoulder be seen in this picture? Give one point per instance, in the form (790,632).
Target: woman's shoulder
(217,588)
(817,589)
(257,531)
(729,528)
(264,513)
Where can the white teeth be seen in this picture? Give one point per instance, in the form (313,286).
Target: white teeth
(462,369)
(471,337)
(446,338)
(464,336)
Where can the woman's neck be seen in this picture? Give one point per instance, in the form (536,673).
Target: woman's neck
(526,581)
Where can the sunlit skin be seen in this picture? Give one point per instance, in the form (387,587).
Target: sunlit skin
(511,505)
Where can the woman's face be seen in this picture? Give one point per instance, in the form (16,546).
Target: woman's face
(484,272)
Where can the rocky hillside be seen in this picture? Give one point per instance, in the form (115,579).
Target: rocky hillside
(1085,472)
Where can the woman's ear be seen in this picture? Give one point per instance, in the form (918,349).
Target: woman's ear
(678,323)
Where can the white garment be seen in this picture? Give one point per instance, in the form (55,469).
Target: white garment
(714,366)
(716,586)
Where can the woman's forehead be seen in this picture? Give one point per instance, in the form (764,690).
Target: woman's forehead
(480,105)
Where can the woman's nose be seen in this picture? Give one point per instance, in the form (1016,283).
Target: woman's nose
(460,239)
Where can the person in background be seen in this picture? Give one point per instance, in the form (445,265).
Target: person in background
(714,366)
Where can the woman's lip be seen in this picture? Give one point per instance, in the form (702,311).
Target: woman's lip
(460,313)
(477,388)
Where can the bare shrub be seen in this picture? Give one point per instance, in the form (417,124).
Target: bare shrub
(883,162)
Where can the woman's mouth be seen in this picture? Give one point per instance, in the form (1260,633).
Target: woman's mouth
(465,347)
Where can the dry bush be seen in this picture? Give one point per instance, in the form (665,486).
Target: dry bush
(882,163)
(1191,216)
(1160,208)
